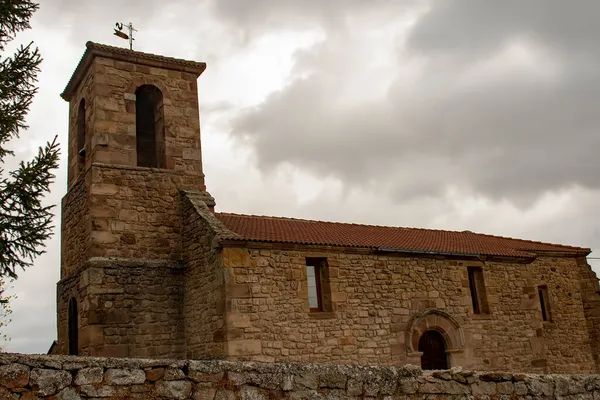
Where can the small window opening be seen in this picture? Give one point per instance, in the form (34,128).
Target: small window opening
(73,327)
(319,291)
(544,304)
(478,293)
(149,119)
(81,152)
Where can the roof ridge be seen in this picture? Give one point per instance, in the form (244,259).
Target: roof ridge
(123,50)
(405,228)
(533,241)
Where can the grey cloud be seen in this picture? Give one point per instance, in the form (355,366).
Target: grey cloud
(514,134)
(267,15)
(483,26)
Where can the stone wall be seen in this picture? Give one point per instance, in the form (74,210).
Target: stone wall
(204,299)
(85,92)
(72,378)
(75,228)
(126,308)
(113,139)
(590,292)
(136,213)
(382,304)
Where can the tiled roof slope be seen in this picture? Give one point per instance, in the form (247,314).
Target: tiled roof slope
(288,230)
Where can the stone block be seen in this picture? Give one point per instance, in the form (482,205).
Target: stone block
(355,387)
(244,347)
(97,391)
(204,393)
(483,388)
(155,374)
(236,257)
(179,390)
(107,103)
(46,382)
(191,154)
(225,395)
(103,237)
(89,376)
(104,189)
(239,290)
(252,393)
(115,376)
(91,335)
(68,394)
(332,379)
(173,374)
(14,375)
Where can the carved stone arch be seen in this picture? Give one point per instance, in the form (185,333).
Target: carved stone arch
(439,321)
(135,84)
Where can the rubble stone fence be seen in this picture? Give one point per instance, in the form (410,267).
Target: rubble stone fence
(28,377)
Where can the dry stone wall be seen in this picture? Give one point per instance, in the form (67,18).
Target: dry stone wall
(28,377)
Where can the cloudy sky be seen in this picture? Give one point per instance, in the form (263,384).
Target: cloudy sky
(451,114)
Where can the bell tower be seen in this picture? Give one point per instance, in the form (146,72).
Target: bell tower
(134,145)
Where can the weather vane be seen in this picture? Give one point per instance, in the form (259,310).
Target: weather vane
(119,32)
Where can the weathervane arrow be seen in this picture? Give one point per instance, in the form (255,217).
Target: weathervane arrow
(119,33)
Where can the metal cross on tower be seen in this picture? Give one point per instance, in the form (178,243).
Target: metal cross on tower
(119,32)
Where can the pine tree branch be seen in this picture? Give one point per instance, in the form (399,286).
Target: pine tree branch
(18,76)
(14,17)
(24,223)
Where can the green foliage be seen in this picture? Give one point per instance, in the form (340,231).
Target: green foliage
(25,223)
(5,312)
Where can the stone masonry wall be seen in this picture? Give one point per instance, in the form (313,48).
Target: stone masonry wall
(590,292)
(382,303)
(73,378)
(136,213)
(75,228)
(85,91)
(204,299)
(126,308)
(114,133)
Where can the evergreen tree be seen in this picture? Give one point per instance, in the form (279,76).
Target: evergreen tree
(25,223)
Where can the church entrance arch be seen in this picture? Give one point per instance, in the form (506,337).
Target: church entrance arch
(433,347)
(435,337)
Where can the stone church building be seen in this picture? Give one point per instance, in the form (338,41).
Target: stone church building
(149,268)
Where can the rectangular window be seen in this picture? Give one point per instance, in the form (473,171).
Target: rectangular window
(319,290)
(544,305)
(477,288)
(313,276)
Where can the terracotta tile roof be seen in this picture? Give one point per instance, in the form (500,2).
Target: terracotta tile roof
(123,54)
(289,230)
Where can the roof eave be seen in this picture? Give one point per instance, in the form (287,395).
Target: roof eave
(244,242)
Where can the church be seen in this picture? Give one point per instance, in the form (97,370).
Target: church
(151,268)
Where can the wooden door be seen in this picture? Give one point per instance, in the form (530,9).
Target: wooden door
(433,346)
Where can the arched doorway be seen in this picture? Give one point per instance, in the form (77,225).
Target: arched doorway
(433,347)
(73,327)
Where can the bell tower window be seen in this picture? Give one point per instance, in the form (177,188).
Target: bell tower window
(81,135)
(149,119)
